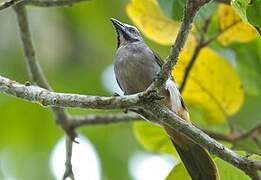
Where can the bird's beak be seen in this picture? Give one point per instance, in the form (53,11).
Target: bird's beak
(120,27)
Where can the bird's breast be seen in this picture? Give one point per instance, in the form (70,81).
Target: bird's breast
(135,69)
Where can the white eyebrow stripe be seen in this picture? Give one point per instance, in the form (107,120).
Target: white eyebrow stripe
(129,26)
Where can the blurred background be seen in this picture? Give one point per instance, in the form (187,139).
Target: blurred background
(75,47)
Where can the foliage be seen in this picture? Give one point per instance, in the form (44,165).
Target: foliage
(248,10)
(240,32)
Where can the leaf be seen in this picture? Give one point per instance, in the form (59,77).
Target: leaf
(249,66)
(178,172)
(253,13)
(240,8)
(248,10)
(226,171)
(234,29)
(153,138)
(172,8)
(213,85)
(148,17)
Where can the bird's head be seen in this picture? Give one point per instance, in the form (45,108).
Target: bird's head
(126,33)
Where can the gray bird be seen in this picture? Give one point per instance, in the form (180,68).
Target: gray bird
(135,67)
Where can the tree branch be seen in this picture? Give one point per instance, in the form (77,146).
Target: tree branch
(36,75)
(103,119)
(52,99)
(55,3)
(256,131)
(189,66)
(6,4)
(220,33)
(68,163)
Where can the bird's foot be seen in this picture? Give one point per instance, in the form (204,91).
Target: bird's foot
(126,110)
(115,94)
(153,95)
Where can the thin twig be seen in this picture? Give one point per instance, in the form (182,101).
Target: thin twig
(258,30)
(196,52)
(254,132)
(220,33)
(189,66)
(55,3)
(78,121)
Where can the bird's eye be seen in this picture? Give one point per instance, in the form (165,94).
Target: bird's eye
(132,30)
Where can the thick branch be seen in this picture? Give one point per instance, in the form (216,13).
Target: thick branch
(103,119)
(52,99)
(6,4)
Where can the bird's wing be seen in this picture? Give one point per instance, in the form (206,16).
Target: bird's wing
(158,58)
(118,82)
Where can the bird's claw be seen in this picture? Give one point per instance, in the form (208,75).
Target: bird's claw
(153,95)
(115,94)
(126,110)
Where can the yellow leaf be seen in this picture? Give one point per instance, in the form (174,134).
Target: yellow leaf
(235,29)
(212,85)
(148,17)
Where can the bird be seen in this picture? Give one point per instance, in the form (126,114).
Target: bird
(136,67)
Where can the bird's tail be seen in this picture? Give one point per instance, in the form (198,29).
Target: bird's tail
(196,159)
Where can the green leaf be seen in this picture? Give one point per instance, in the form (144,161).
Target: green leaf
(172,8)
(153,138)
(226,170)
(253,13)
(249,11)
(249,65)
(240,7)
(178,172)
